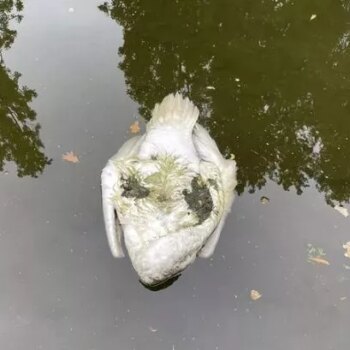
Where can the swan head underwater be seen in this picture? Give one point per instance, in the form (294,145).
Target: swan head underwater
(168,193)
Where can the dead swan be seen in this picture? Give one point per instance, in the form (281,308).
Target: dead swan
(168,191)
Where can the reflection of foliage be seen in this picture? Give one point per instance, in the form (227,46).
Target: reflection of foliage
(19,140)
(19,135)
(278,83)
(8,12)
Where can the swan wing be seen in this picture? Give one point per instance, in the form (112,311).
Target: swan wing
(110,179)
(209,152)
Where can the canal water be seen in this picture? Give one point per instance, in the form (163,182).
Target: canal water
(272,82)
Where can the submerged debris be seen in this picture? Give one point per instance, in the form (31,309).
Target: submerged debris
(199,199)
(316,255)
(133,189)
(346,246)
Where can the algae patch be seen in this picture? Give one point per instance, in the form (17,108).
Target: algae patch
(214,184)
(164,183)
(199,199)
(133,189)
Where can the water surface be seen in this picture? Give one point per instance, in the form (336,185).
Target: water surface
(272,81)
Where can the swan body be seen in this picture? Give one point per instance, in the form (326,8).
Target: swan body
(168,192)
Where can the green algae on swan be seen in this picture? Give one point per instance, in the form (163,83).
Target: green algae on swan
(199,200)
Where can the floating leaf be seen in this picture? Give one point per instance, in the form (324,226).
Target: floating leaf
(70,157)
(343,211)
(135,127)
(319,260)
(264,200)
(255,295)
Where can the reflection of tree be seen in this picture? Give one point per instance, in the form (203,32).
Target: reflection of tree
(9,11)
(19,134)
(274,83)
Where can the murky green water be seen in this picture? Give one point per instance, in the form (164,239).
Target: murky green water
(271,78)
(273,85)
(272,81)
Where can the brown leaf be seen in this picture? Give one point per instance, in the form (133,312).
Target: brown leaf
(135,127)
(70,157)
(255,295)
(319,260)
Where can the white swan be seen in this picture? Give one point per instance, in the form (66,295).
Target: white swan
(169,191)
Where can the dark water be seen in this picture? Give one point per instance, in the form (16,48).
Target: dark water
(272,81)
